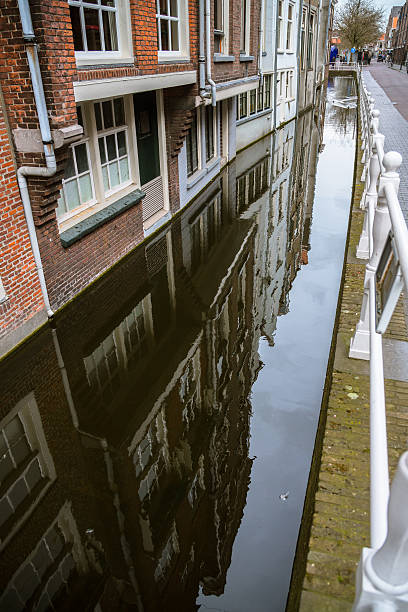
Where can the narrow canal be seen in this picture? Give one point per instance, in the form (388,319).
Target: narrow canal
(162,430)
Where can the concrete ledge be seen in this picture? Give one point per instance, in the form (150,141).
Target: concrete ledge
(21,333)
(246,58)
(78,231)
(218,58)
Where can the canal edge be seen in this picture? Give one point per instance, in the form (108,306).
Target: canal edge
(302,546)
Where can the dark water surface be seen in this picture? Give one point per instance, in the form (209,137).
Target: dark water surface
(149,434)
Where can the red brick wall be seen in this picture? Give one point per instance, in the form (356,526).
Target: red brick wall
(17,266)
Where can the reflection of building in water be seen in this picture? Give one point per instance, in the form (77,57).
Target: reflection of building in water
(125,429)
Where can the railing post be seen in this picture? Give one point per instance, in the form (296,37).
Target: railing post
(370,199)
(382,575)
(360,343)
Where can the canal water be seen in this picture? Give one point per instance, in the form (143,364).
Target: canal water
(157,438)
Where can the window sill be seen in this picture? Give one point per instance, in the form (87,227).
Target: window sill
(194,178)
(101,60)
(246,58)
(219,57)
(106,214)
(170,58)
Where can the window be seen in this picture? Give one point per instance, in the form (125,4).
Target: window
(49,573)
(244,39)
(267,86)
(100,165)
(112,143)
(260,97)
(209,132)
(77,186)
(94,25)
(310,42)
(25,466)
(289,27)
(221,26)
(192,146)
(252,102)
(303,40)
(280,24)
(281,83)
(168,33)
(243,105)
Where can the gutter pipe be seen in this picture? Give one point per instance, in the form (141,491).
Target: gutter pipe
(51,165)
(261,36)
(207,15)
(201,51)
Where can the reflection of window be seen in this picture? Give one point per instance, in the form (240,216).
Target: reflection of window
(144,127)
(49,572)
(25,466)
(192,146)
(303,40)
(94,25)
(170,550)
(310,41)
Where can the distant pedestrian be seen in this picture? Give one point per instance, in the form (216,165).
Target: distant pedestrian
(333,54)
(369,56)
(359,57)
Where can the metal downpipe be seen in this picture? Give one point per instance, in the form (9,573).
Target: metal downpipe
(207,15)
(51,164)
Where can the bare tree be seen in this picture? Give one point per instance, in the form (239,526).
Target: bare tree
(359,22)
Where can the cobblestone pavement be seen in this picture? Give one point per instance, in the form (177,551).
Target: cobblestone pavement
(388,86)
(340,524)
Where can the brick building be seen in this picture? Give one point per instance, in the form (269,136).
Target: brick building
(117,114)
(400,37)
(391,26)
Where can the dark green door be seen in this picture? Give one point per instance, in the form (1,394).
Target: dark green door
(147,135)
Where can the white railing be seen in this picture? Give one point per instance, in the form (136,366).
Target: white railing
(343,66)
(382,576)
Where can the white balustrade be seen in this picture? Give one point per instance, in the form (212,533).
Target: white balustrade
(382,576)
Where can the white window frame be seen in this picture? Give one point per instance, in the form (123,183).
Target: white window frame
(245,31)
(68,213)
(214,130)
(124,34)
(199,147)
(280,25)
(289,28)
(223,33)
(101,198)
(182,18)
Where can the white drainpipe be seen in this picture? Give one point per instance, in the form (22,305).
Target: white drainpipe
(261,36)
(51,164)
(207,16)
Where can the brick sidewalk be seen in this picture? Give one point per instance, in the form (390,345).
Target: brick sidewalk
(388,86)
(340,524)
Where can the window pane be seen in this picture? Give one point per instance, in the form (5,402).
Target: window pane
(109,31)
(122,143)
(70,167)
(76,28)
(5,510)
(107,2)
(174,36)
(33,475)
(163,7)
(111,146)
(114,174)
(164,25)
(71,194)
(102,153)
(18,493)
(105,178)
(107,114)
(6,466)
(124,170)
(20,450)
(93,35)
(119,111)
(85,187)
(98,117)
(14,430)
(173,8)
(81,158)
